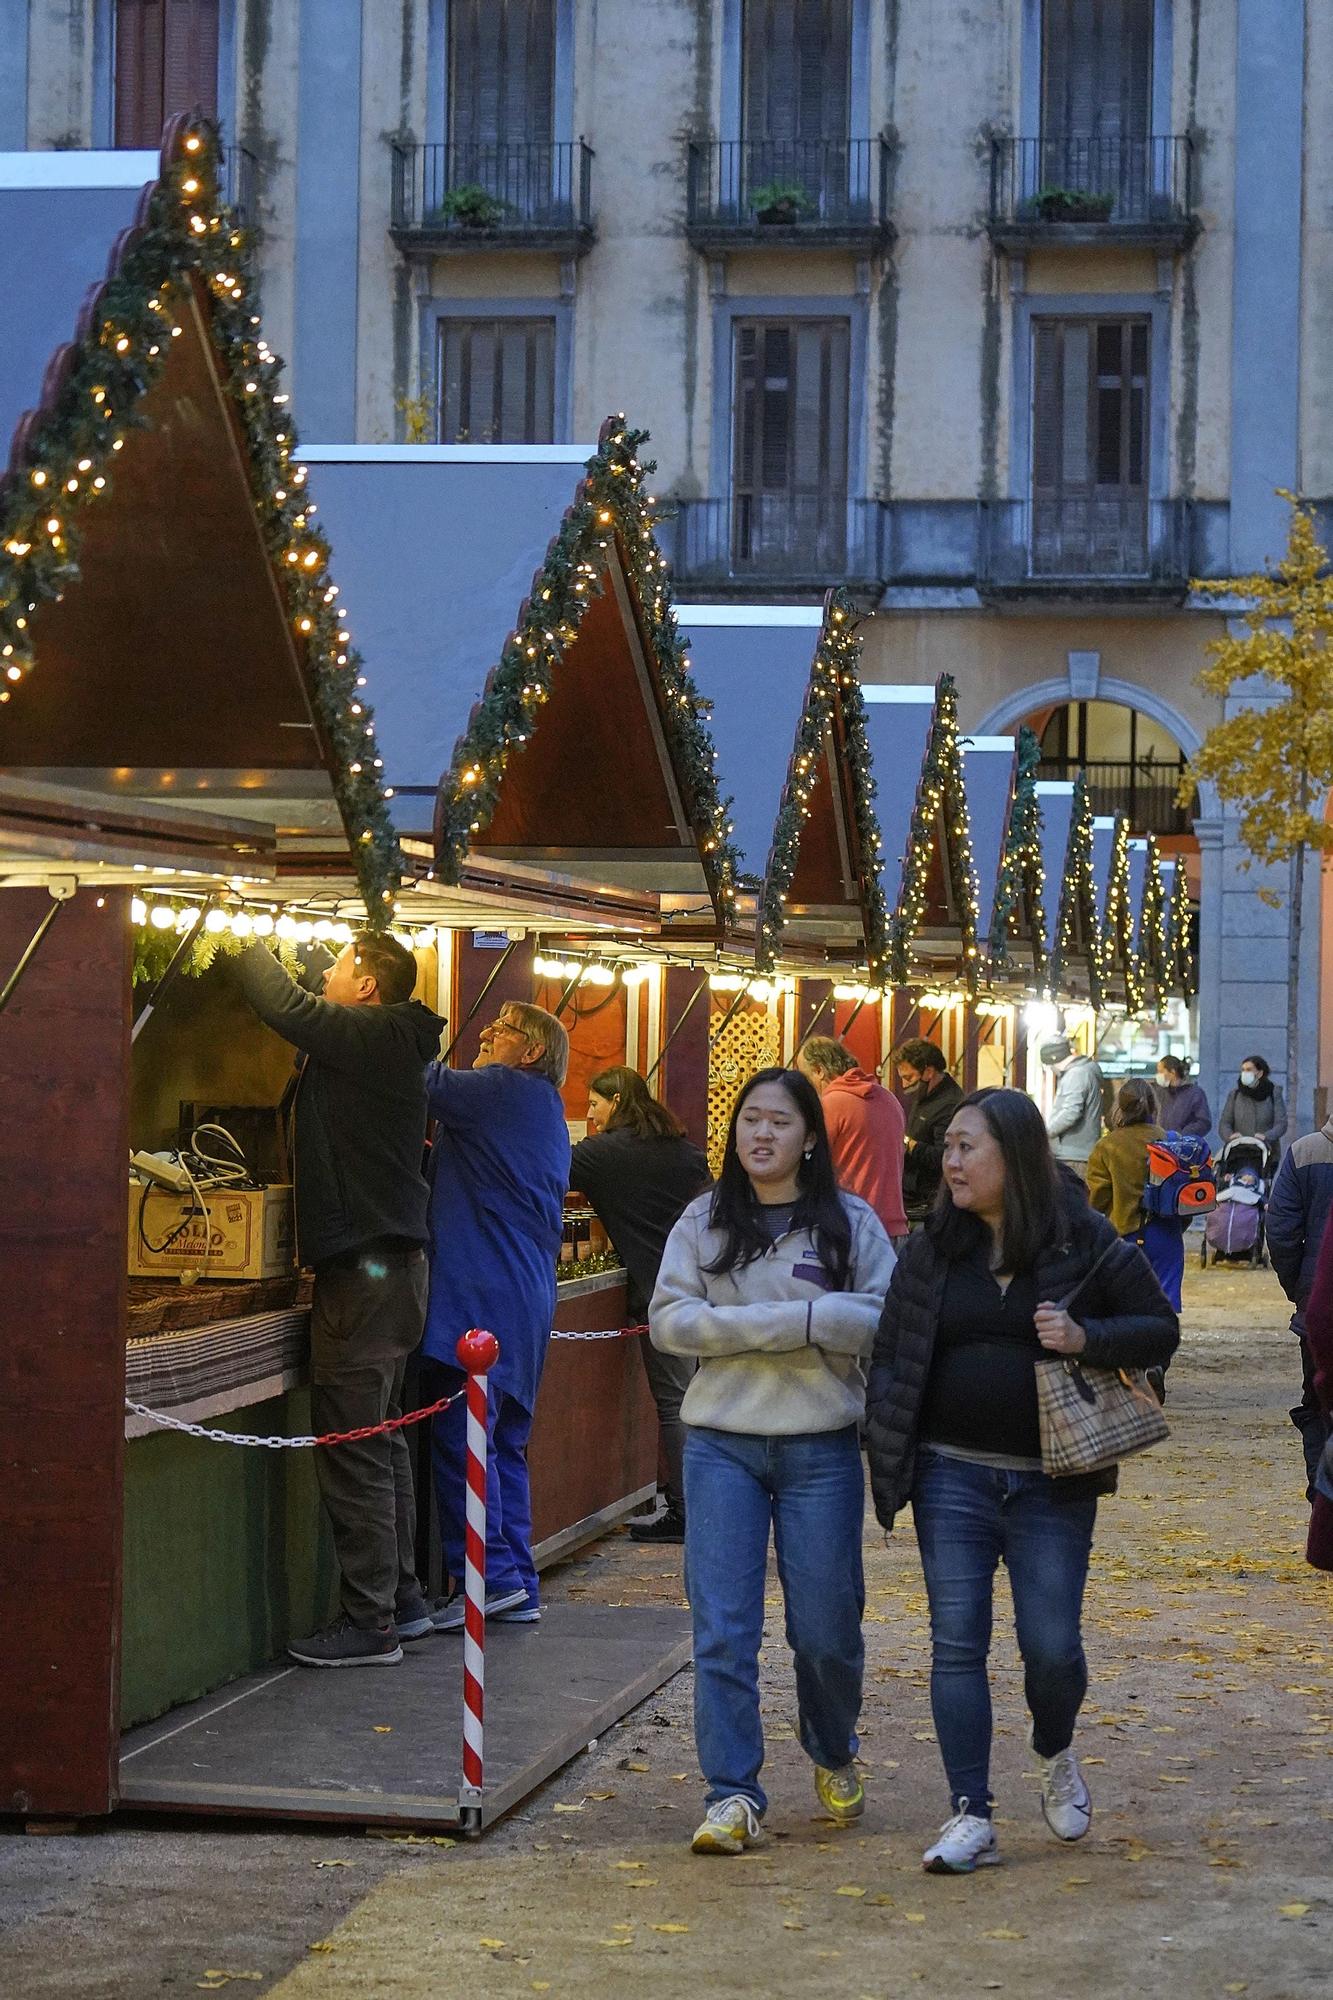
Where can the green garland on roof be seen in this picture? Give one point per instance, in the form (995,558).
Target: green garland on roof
(1021,890)
(940,808)
(610,506)
(834,684)
(1184,969)
(1118,949)
(1077,921)
(191,244)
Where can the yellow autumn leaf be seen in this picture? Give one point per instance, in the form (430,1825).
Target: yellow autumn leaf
(541,1985)
(382,1728)
(1007,1937)
(322,1944)
(635,1767)
(560,1808)
(914,1916)
(492,1944)
(790,1924)
(611,1943)
(849,1889)
(671,1930)
(1294,1910)
(629,1864)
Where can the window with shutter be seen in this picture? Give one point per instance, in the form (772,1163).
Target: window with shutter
(497,381)
(166,61)
(1089,446)
(501,72)
(797,94)
(790,443)
(1096,94)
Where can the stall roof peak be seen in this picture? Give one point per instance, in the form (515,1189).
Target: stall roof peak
(578,741)
(166,412)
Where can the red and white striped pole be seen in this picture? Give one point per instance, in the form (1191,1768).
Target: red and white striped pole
(477,1354)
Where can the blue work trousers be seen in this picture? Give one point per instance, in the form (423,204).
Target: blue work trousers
(509,1563)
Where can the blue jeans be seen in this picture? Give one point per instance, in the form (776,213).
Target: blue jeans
(969,1517)
(811,1489)
(509,1564)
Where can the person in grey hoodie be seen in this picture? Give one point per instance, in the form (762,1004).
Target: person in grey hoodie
(1181,1105)
(1074,1120)
(773,1283)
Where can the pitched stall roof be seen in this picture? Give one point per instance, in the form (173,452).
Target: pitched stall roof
(534,703)
(920,804)
(1072,942)
(166,615)
(50,834)
(789,724)
(1014,933)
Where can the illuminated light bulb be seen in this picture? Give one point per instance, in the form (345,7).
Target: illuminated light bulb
(263,927)
(193,143)
(285,926)
(216,921)
(303,625)
(342,933)
(122,345)
(138,911)
(304,933)
(117,444)
(323,930)
(198,225)
(53,526)
(191,186)
(99,483)
(186,919)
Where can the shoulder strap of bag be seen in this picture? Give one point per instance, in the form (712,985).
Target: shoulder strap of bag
(1091,1273)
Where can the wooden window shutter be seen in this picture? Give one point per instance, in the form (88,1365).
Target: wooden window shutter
(797,56)
(190,58)
(166,61)
(501,72)
(497,381)
(1097,69)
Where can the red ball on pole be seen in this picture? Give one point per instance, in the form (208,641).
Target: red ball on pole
(477,1351)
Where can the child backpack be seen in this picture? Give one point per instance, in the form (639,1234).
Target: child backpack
(1180,1177)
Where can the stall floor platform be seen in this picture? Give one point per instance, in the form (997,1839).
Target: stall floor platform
(381,1745)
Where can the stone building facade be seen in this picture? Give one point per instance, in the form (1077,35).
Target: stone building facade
(1014,314)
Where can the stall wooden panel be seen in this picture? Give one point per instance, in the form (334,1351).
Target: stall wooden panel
(594,1441)
(682,1081)
(475,965)
(64,1058)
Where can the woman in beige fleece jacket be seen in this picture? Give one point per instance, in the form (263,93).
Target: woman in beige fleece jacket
(773,1283)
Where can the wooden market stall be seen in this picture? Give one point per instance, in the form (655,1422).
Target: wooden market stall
(186,740)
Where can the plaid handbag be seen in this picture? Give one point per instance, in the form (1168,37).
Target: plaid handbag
(1090,1418)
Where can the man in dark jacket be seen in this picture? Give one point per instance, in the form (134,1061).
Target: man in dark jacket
(1298,1208)
(360,1127)
(934,1098)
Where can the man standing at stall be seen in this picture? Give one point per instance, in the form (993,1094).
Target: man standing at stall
(360,1125)
(498,1173)
(934,1098)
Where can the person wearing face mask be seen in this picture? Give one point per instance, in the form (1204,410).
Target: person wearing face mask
(773,1283)
(1181,1105)
(1255,1108)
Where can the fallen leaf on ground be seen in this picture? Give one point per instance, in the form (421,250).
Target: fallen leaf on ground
(790,1924)
(332,1862)
(625,1765)
(610,1795)
(1007,1937)
(612,1942)
(541,1985)
(382,1728)
(492,1944)
(914,1916)
(882,1902)
(322,1944)
(849,1889)
(1294,1910)
(671,1930)
(629,1864)
(560,1808)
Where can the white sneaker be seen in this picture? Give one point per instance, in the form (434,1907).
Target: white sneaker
(729,1827)
(1066,1805)
(966,1841)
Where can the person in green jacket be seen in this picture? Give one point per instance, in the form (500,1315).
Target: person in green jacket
(1117,1176)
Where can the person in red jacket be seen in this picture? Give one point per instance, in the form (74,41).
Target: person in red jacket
(866,1129)
(1319,1336)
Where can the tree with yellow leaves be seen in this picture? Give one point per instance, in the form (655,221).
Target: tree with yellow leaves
(1274,761)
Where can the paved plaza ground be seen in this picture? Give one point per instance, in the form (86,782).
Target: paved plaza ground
(1207,1740)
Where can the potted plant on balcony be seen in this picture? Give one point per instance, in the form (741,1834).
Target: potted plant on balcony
(1062,204)
(471,207)
(779,201)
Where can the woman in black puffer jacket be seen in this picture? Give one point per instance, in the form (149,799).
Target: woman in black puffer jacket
(977,1298)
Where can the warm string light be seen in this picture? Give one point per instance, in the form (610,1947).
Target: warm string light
(610,497)
(188,234)
(939,818)
(1077,926)
(1119,956)
(1020,895)
(1184,970)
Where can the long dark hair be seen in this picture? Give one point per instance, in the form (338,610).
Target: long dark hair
(737,1210)
(638,1110)
(1036,1200)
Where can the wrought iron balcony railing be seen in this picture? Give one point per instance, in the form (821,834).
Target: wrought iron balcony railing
(516,195)
(1140,188)
(1144,790)
(775,190)
(798,540)
(238,174)
(1085,544)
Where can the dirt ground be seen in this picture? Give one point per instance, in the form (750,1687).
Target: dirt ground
(1206,1741)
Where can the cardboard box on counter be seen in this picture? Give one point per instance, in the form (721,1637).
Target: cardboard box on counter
(249,1233)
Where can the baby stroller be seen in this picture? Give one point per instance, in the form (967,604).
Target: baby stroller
(1234,1232)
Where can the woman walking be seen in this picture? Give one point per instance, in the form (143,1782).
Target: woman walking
(1012,1265)
(638,1170)
(774,1284)
(1117,1175)
(1255,1108)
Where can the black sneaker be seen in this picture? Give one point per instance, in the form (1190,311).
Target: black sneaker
(414,1614)
(344,1644)
(665,1527)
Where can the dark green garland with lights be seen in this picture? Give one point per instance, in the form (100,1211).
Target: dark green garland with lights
(834,682)
(1119,954)
(940,804)
(1154,939)
(1184,968)
(1078,900)
(188,240)
(609,507)
(1022,883)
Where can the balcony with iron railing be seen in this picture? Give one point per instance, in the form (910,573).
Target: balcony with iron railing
(238,181)
(750,193)
(493,197)
(1144,789)
(1092,547)
(1084,192)
(779,542)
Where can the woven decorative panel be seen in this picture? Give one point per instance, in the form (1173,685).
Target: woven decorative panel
(749,1042)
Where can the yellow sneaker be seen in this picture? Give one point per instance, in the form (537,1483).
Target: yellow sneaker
(840,1793)
(729,1827)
